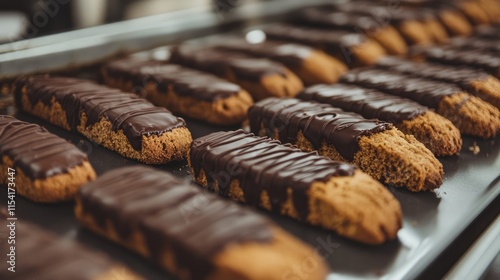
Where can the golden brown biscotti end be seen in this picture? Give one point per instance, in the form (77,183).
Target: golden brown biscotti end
(367,53)
(471,115)
(319,67)
(118,273)
(475,12)
(415,32)
(390,39)
(276,85)
(57,188)
(488,90)
(436,31)
(399,160)
(364,210)
(437,133)
(156,149)
(278,259)
(456,23)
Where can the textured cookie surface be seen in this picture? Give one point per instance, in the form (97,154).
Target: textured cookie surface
(183,91)
(261,77)
(375,146)
(191,233)
(122,122)
(437,133)
(48,168)
(305,186)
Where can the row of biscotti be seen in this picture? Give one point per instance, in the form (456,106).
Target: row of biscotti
(143,219)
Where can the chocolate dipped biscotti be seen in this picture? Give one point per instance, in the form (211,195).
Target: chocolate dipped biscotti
(189,232)
(386,35)
(46,168)
(311,65)
(305,186)
(437,133)
(475,81)
(468,113)
(42,255)
(352,48)
(376,147)
(119,121)
(181,90)
(261,77)
(488,61)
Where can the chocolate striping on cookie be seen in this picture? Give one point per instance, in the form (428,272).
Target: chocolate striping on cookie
(184,81)
(319,123)
(156,210)
(369,103)
(47,257)
(424,91)
(219,61)
(461,76)
(334,42)
(126,111)
(473,58)
(37,152)
(262,164)
(285,52)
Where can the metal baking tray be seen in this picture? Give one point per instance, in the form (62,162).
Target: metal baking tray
(433,221)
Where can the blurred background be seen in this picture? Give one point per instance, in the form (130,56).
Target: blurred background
(25,19)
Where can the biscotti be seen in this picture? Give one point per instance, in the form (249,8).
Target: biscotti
(352,48)
(437,133)
(386,35)
(485,45)
(376,147)
(38,164)
(181,90)
(468,113)
(474,81)
(417,26)
(305,186)
(261,77)
(42,255)
(189,232)
(460,57)
(121,122)
(311,65)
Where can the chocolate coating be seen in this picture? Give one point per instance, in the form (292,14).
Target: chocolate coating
(383,13)
(262,164)
(219,61)
(290,54)
(172,215)
(486,45)
(43,256)
(369,103)
(37,152)
(184,81)
(336,43)
(487,32)
(135,116)
(424,91)
(473,58)
(461,76)
(320,123)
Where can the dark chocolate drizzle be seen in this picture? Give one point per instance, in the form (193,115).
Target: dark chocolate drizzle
(43,256)
(135,116)
(184,81)
(219,62)
(473,58)
(487,32)
(424,91)
(334,42)
(369,103)
(37,152)
(320,123)
(194,224)
(486,45)
(262,164)
(290,54)
(329,18)
(461,76)
(383,12)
